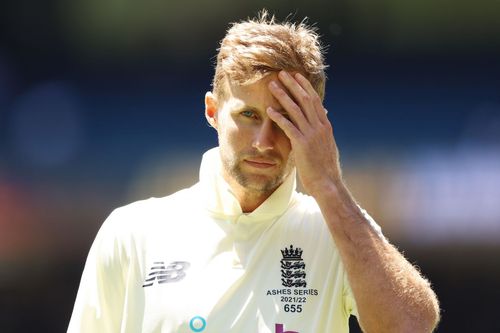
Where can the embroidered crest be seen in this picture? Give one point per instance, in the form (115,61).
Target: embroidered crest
(293,272)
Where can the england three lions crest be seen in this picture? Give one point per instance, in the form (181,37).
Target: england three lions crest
(293,272)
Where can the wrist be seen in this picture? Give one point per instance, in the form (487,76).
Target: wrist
(336,195)
(332,189)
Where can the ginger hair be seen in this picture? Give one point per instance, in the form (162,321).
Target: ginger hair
(254,48)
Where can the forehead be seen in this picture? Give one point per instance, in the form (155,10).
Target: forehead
(256,94)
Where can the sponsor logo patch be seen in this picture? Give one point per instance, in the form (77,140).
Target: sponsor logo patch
(279,328)
(161,273)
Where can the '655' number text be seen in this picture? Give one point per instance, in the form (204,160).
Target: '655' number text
(293,308)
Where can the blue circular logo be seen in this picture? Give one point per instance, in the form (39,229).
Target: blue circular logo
(197,324)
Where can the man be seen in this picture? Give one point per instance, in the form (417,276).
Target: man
(241,251)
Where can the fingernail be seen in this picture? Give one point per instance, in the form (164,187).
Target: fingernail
(273,85)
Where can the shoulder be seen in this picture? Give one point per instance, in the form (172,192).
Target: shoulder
(136,218)
(152,208)
(306,206)
(153,204)
(305,203)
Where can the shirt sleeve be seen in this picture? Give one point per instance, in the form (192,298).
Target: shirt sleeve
(100,299)
(350,306)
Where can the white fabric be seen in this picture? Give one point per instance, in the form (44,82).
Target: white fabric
(221,270)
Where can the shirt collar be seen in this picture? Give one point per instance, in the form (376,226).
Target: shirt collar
(221,201)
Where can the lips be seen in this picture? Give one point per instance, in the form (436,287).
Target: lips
(260,163)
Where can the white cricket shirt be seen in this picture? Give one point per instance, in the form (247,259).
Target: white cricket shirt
(193,262)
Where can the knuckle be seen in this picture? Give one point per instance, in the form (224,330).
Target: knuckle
(316,100)
(306,98)
(328,126)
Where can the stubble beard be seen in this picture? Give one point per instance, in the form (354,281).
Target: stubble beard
(257,183)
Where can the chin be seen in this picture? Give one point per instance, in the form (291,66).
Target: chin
(260,183)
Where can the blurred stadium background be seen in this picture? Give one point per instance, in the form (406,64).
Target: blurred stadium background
(101,104)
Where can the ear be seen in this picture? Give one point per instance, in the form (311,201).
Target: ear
(211,109)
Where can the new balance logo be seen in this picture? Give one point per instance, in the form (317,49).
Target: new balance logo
(160,273)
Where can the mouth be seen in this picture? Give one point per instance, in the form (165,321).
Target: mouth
(260,163)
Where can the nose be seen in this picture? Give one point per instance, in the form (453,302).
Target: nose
(265,136)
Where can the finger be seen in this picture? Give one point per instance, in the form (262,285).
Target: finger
(316,100)
(303,97)
(294,111)
(286,125)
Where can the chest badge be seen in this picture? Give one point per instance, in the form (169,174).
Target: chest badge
(293,293)
(293,271)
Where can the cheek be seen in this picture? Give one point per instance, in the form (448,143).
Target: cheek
(229,137)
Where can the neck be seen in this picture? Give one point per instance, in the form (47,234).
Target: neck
(248,199)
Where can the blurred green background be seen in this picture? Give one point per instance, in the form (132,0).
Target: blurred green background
(101,104)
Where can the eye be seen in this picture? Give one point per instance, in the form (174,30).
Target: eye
(248,114)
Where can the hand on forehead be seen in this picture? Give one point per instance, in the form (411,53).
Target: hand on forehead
(258,95)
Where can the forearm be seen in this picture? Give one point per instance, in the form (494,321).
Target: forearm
(390,293)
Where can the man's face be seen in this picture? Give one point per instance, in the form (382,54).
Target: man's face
(255,152)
